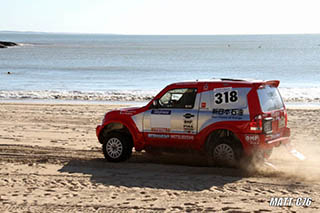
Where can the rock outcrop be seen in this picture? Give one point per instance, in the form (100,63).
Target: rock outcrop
(4,44)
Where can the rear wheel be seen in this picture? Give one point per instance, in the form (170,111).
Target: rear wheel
(117,147)
(224,152)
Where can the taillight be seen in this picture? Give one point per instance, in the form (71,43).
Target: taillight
(261,125)
(286,117)
(256,124)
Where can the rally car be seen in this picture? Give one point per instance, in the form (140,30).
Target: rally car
(225,119)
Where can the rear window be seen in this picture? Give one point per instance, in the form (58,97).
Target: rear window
(270,99)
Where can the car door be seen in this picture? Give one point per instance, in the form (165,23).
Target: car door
(173,122)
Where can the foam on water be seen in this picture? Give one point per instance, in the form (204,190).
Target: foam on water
(290,95)
(307,95)
(79,95)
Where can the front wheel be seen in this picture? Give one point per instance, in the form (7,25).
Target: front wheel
(117,147)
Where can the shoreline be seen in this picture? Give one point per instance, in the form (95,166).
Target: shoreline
(71,102)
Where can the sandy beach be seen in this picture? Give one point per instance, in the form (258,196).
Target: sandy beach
(51,161)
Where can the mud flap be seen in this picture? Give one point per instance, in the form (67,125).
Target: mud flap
(294,152)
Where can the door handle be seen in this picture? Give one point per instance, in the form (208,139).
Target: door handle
(188,115)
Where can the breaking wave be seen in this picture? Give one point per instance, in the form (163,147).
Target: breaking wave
(306,95)
(78,95)
(303,95)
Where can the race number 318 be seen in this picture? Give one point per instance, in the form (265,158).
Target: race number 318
(226,97)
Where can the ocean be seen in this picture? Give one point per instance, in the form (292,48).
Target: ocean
(91,67)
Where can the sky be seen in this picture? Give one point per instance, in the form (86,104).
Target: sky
(162,17)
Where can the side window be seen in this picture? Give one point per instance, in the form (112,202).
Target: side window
(179,98)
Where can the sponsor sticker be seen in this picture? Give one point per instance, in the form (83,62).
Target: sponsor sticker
(222,89)
(252,139)
(182,137)
(158,136)
(232,114)
(177,137)
(161,112)
(188,125)
(160,120)
(160,129)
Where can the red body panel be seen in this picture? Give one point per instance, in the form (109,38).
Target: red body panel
(123,116)
(250,141)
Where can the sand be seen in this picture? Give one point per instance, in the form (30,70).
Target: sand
(51,161)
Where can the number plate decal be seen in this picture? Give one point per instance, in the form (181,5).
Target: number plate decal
(226,97)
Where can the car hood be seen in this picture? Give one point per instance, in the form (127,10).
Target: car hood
(129,109)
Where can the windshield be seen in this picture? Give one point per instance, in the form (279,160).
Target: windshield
(270,99)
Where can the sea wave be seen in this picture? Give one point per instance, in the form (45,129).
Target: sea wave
(78,95)
(303,95)
(306,95)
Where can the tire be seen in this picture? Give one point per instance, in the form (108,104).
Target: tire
(224,152)
(117,147)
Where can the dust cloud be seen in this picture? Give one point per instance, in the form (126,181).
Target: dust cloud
(283,164)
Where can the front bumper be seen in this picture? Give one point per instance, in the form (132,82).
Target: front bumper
(98,130)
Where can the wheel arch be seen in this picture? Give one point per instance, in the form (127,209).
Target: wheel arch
(213,134)
(116,126)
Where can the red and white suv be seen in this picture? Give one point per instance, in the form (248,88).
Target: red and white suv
(226,119)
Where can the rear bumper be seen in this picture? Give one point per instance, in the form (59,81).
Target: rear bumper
(254,142)
(277,139)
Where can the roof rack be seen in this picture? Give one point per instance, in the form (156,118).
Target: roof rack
(229,79)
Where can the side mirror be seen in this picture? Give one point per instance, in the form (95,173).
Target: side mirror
(155,103)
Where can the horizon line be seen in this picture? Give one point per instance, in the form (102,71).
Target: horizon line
(121,34)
